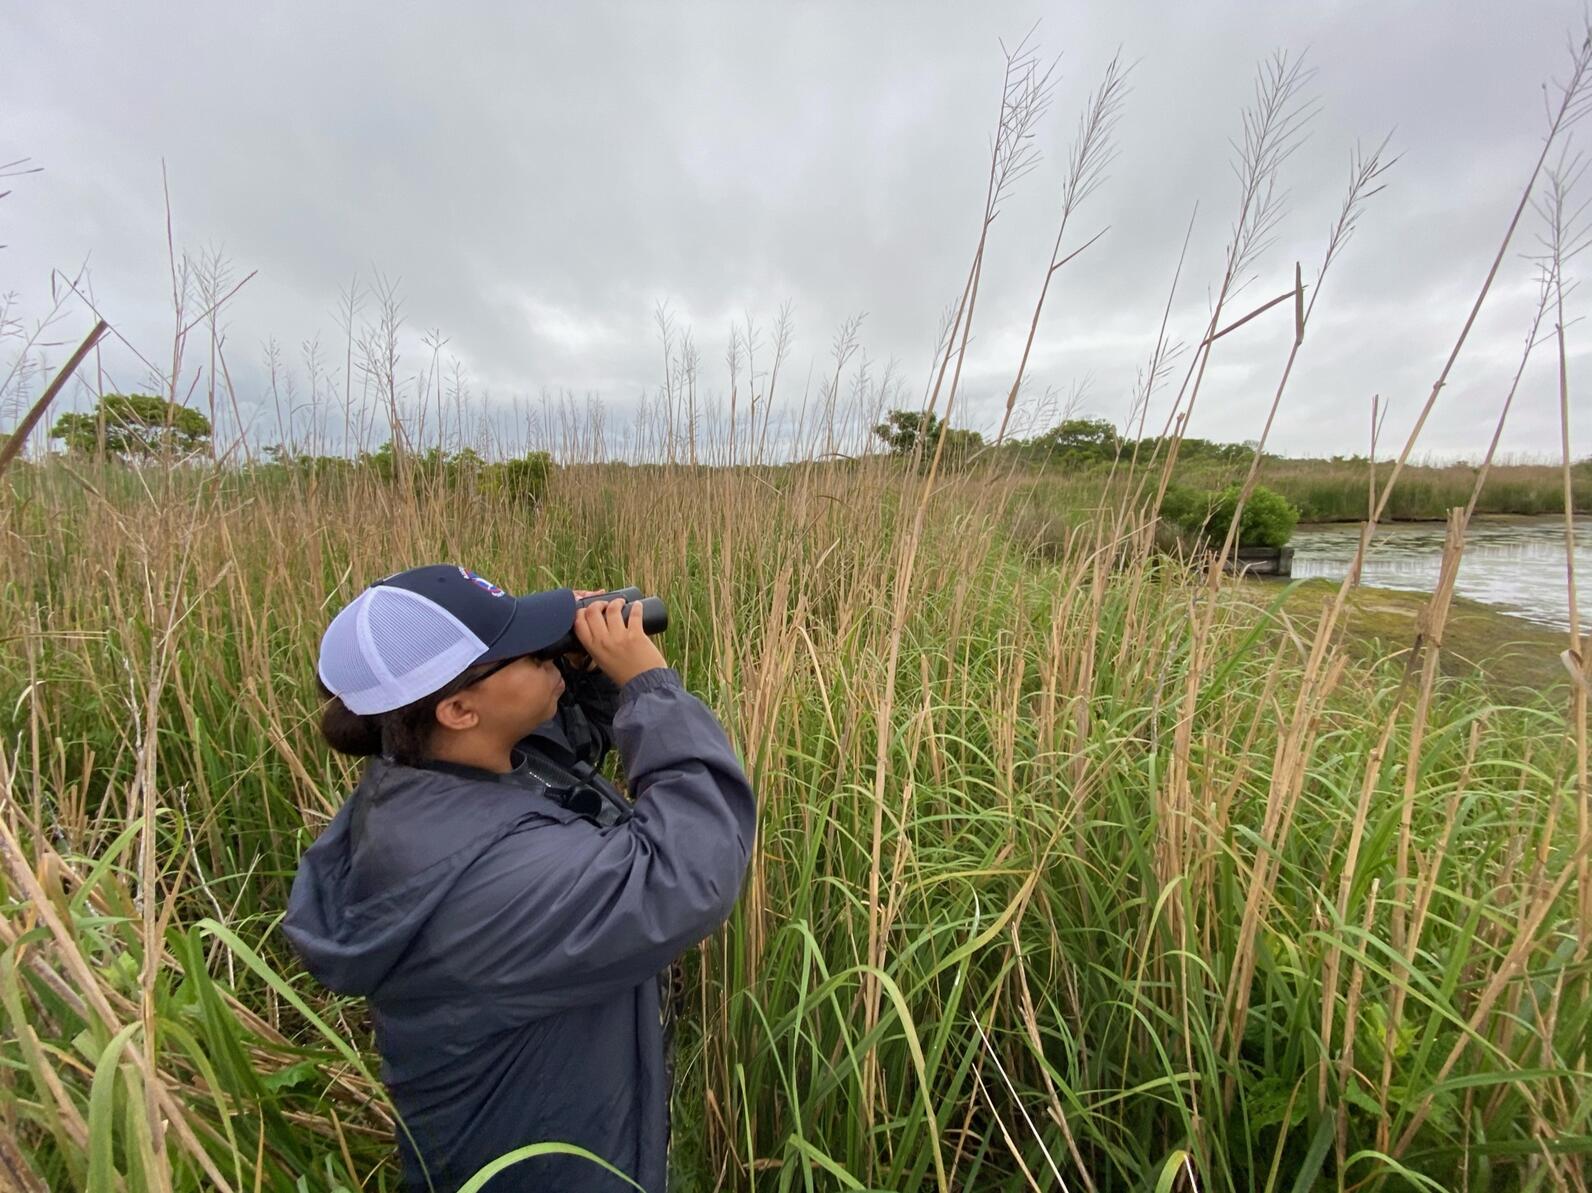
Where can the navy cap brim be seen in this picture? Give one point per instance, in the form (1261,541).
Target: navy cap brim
(539,620)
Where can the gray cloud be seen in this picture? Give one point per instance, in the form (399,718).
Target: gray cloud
(539,179)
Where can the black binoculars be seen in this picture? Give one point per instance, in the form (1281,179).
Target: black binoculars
(654,617)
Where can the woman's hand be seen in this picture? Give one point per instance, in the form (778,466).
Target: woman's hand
(622,649)
(579,660)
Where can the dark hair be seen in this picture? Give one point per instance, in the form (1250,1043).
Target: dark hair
(404,734)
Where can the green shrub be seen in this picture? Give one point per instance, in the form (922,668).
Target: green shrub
(1269,518)
(522,479)
(1186,509)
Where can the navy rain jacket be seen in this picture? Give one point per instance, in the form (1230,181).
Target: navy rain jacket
(510,946)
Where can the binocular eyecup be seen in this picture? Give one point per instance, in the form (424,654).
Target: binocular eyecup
(653,612)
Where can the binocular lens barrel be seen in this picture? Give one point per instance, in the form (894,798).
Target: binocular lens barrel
(654,617)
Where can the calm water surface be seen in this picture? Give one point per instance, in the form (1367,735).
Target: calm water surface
(1517,564)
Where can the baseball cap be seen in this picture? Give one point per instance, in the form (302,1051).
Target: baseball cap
(410,634)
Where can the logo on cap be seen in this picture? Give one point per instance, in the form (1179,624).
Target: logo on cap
(483,582)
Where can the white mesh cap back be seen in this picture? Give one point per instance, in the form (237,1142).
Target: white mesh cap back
(389,647)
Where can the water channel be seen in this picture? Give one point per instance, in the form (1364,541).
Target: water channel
(1517,564)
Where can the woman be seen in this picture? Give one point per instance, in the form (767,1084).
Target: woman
(503,909)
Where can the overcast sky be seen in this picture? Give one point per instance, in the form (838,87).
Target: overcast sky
(538,178)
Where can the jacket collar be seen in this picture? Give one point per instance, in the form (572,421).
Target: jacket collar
(461,770)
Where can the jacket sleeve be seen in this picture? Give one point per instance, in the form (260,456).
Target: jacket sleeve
(584,722)
(562,914)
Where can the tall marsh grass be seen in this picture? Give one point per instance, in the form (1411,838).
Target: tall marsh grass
(162,774)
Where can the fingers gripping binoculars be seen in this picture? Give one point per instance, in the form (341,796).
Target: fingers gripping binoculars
(653,612)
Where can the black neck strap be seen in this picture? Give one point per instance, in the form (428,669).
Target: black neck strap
(580,788)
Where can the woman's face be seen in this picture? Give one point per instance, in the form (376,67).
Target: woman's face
(518,698)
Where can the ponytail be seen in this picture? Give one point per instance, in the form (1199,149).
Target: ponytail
(348,732)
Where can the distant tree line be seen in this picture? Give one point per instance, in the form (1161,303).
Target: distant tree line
(1200,516)
(519,478)
(140,428)
(1073,442)
(1080,441)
